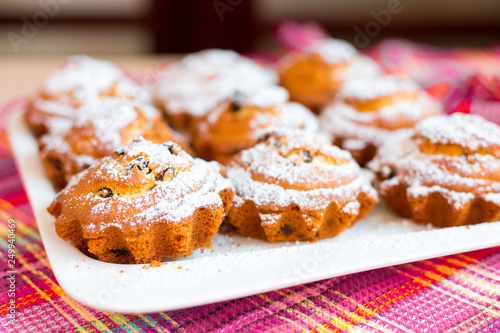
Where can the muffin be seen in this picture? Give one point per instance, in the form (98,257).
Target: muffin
(101,127)
(187,90)
(447,173)
(238,121)
(314,75)
(367,112)
(146,202)
(295,186)
(80,81)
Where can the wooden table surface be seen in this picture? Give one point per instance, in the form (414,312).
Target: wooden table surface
(24,75)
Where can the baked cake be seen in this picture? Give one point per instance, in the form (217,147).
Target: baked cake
(146,202)
(80,81)
(188,89)
(314,75)
(100,128)
(369,111)
(296,186)
(237,122)
(447,173)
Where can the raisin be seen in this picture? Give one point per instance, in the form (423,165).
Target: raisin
(141,162)
(56,163)
(171,148)
(287,230)
(265,137)
(307,156)
(120,252)
(105,192)
(272,138)
(236,102)
(162,173)
(59,173)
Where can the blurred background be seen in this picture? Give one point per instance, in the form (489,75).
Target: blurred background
(172,26)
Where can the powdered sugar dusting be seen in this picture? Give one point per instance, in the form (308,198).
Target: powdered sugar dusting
(469,131)
(366,88)
(196,184)
(53,142)
(82,71)
(105,118)
(268,96)
(264,194)
(278,162)
(293,116)
(284,114)
(457,199)
(108,117)
(187,192)
(334,50)
(197,83)
(56,109)
(85,78)
(351,208)
(354,144)
(361,66)
(158,154)
(493,197)
(343,120)
(424,168)
(458,178)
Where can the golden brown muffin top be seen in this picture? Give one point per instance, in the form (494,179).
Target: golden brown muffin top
(103,126)
(332,55)
(140,184)
(292,166)
(375,93)
(104,123)
(198,82)
(458,134)
(373,109)
(82,79)
(239,120)
(456,153)
(330,50)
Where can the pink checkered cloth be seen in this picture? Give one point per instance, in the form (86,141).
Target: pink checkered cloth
(466,81)
(458,293)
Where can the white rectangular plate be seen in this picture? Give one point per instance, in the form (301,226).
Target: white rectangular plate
(237,266)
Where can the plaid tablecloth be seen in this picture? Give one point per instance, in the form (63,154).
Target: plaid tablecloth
(458,293)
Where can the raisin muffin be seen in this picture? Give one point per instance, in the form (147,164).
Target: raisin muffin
(447,173)
(100,128)
(295,186)
(146,202)
(80,81)
(314,75)
(187,90)
(237,122)
(369,111)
